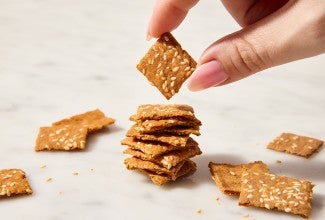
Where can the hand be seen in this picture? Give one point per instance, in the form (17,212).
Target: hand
(273,33)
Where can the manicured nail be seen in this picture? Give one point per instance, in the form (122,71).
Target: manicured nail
(148,37)
(207,75)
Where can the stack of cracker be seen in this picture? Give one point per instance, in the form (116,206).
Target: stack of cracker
(160,142)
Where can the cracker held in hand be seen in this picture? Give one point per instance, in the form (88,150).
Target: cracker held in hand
(295,144)
(13,182)
(166,65)
(276,192)
(160,142)
(71,133)
(228,176)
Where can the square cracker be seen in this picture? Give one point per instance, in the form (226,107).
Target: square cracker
(93,120)
(175,130)
(228,176)
(188,168)
(169,159)
(276,192)
(156,125)
(134,163)
(163,111)
(155,149)
(171,139)
(13,182)
(166,65)
(295,144)
(61,137)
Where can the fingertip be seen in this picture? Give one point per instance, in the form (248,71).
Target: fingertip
(207,75)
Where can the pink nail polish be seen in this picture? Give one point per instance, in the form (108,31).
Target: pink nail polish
(148,37)
(207,75)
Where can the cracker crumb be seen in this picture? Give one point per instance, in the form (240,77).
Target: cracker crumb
(75,173)
(278,161)
(49,179)
(199,211)
(43,166)
(246,215)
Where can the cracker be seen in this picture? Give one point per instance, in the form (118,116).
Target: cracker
(93,120)
(175,130)
(167,160)
(166,65)
(155,149)
(13,182)
(61,137)
(134,163)
(161,111)
(174,140)
(188,168)
(177,141)
(156,125)
(276,192)
(295,144)
(228,176)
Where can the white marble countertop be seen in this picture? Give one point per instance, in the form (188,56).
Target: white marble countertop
(59,58)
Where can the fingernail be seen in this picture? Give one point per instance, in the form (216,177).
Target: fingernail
(207,75)
(148,37)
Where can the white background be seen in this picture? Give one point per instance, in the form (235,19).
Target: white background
(64,57)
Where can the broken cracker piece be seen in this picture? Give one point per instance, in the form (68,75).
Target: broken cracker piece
(93,120)
(169,159)
(154,149)
(228,176)
(61,137)
(188,168)
(174,140)
(134,163)
(295,144)
(13,182)
(166,65)
(276,192)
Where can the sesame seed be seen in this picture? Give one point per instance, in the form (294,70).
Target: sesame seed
(166,38)
(287,209)
(175,69)
(267,206)
(249,196)
(232,173)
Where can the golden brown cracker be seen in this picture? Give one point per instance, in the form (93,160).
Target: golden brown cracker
(154,149)
(276,192)
(188,168)
(93,120)
(174,140)
(13,182)
(175,130)
(156,125)
(228,176)
(295,144)
(61,137)
(134,163)
(163,111)
(166,65)
(169,159)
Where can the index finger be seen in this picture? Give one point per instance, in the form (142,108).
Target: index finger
(167,15)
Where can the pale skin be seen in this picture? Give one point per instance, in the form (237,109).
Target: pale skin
(273,32)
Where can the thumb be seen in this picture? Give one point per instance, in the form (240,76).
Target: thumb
(279,38)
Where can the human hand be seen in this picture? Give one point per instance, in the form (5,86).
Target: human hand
(273,33)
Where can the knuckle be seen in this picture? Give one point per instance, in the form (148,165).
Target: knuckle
(247,56)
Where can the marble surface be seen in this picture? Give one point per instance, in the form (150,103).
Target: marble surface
(59,58)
